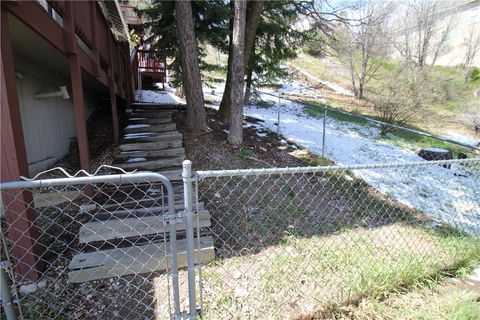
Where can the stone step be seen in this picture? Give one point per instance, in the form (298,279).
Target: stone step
(135,260)
(118,229)
(138,128)
(151,154)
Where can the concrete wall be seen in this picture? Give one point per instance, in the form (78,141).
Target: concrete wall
(48,124)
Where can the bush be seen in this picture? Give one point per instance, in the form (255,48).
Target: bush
(398,99)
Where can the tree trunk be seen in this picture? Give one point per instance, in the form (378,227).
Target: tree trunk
(235,135)
(248,86)
(255,10)
(192,82)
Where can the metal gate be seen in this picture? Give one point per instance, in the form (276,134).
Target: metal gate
(94,247)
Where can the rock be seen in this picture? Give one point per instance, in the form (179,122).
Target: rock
(431,154)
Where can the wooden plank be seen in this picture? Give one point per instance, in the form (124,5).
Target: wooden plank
(154,164)
(172,175)
(145,137)
(42,200)
(133,227)
(154,106)
(152,154)
(135,212)
(138,120)
(153,128)
(152,113)
(147,146)
(135,260)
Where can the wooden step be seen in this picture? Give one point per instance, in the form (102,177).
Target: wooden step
(156,106)
(172,175)
(151,128)
(133,227)
(149,115)
(135,260)
(152,146)
(153,164)
(122,212)
(46,199)
(140,120)
(163,136)
(152,154)
(156,113)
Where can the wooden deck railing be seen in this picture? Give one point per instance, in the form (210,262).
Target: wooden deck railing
(147,63)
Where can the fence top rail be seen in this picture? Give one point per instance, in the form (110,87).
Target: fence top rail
(70,181)
(269,171)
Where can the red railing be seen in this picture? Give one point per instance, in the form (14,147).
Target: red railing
(147,63)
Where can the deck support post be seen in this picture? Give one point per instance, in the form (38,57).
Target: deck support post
(113,96)
(77,87)
(20,217)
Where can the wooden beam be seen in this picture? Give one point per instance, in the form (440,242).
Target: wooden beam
(135,260)
(113,96)
(77,87)
(95,44)
(19,215)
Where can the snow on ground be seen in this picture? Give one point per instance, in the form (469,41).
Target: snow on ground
(136,160)
(462,138)
(161,97)
(450,195)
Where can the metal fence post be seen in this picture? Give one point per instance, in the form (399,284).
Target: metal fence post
(7,303)
(278,116)
(187,189)
(324,130)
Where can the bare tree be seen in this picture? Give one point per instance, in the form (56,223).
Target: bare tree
(360,45)
(235,135)
(471,42)
(425,27)
(196,117)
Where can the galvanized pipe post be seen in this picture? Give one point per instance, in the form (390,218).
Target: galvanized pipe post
(188,218)
(7,303)
(278,116)
(324,130)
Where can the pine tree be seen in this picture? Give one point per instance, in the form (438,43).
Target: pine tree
(192,82)
(235,135)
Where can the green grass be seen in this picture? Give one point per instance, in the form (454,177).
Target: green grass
(344,267)
(404,139)
(245,154)
(415,142)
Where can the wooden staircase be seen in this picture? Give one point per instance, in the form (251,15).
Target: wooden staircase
(127,233)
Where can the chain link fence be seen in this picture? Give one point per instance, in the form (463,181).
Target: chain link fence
(97,247)
(238,244)
(296,242)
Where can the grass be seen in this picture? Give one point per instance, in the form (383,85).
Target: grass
(245,154)
(436,301)
(450,91)
(404,139)
(304,275)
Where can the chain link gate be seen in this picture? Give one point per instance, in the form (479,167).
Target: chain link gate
(96,247)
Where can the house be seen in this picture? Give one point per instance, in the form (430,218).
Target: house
(456,28)
(59,60)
